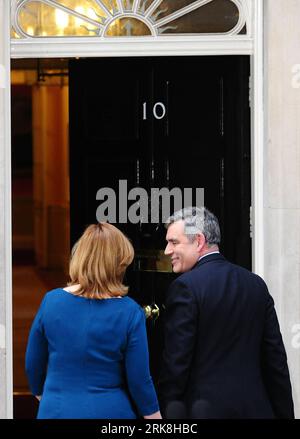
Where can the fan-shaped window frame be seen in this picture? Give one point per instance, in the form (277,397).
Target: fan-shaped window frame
(150,16)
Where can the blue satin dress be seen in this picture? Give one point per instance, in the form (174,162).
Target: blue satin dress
(88,358)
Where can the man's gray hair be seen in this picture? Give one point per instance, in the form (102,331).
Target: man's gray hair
(198,220)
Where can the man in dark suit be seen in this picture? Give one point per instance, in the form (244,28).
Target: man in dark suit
(224,356)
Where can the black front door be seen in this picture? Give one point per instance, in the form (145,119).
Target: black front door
(178,122)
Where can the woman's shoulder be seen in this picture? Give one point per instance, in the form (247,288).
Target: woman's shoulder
(133,308)
(131,303)
(49,299)
(58,294)
(53,294)
(134,312)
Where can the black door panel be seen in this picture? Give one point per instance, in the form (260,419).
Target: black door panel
(117,132)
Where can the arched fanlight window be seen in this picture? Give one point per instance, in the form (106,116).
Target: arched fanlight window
(130,18)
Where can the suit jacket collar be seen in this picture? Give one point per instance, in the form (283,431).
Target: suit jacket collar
(209,258)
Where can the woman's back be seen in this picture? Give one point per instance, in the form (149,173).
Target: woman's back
(92,351)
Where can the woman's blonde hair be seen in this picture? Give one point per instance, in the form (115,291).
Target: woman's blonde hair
(99,260)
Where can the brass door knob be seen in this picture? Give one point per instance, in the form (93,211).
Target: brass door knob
(151,311)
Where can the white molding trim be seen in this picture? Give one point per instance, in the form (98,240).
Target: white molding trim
(257,124)
(131,46)
(7,263)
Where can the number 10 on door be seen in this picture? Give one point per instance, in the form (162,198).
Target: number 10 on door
(158,110)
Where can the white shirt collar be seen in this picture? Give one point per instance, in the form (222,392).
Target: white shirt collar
(207,254)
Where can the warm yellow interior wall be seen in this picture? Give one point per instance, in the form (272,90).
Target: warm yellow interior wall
(51,175)
(50,125)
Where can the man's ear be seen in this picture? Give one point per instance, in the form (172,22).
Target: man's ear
(200,238)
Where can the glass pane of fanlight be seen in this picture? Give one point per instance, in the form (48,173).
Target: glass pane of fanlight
(111,5)
(218,16)
(87,8)
(144,5)
(13,33)
(127,5)
(127,27)
(42,20)
(167,7)
(243,31)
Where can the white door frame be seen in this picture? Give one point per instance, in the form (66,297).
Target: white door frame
(163,46)
(6,377)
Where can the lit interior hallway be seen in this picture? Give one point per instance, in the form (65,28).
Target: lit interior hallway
(29,286)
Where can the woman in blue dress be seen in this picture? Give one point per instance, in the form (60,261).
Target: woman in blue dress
(87,352)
